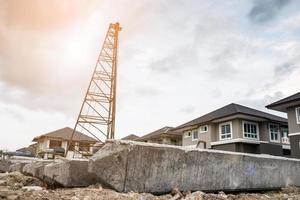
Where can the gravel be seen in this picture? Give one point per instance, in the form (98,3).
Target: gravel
(16,186)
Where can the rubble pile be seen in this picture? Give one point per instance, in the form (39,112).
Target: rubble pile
(16,186)
(132,170)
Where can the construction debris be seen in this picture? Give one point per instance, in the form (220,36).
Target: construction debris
(27,189)
(71,173)
(127,166)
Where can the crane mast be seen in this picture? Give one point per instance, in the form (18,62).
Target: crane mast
(98,111)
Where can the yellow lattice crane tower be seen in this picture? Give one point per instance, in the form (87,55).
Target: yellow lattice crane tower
(98,110)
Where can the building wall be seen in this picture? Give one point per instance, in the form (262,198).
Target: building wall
(271,149)
(166,140)
(225,147)
(264,131)
(237,132)
(247,148)
(43,144)
(293,126)
(295,146)
(206,136)
(263,148)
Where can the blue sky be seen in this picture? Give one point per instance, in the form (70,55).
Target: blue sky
(177,60)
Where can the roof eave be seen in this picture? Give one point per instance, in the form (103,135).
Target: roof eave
(282,107)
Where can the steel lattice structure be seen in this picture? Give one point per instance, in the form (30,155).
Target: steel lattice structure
(97,113)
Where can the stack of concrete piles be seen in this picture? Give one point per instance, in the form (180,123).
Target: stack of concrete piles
(142,167)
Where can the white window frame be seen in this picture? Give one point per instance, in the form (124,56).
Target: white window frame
(284,139)
(193,139)
(200,131)
(257,130)
(297,111)
(220,130)
(186,134)
(279,134)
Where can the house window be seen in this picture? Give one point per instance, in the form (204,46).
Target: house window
(225,131)
(84,147)
(250,130)
(54,143)
(284,135)
(298,115)
(195,135)
(187,134)
(203,129)
(274,133)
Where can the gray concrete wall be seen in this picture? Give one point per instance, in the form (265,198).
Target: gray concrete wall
(130,166)
(295,146)
(293,126)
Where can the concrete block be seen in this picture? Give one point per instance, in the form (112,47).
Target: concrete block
(142,167)
(18,166)
(36,169)
(4,165)
(72,173)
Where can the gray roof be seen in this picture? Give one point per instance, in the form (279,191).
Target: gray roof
(160,132)
(65,134)
(287,100)
(130,137)
(229,110)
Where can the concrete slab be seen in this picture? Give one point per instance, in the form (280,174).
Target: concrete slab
(4,165)
(71,173)
(18,166)
(142,167)
(36,169)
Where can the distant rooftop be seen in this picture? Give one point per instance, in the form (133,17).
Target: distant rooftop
(130,137)
(167,130)
(65,134)
(229,110)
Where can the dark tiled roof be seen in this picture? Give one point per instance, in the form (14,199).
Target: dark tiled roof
(289,99)
(65,134)
(232,109)
(130,137)
(165,130)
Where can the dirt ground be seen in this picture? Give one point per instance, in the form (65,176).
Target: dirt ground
(17,186)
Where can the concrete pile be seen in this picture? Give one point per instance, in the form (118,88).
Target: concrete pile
(71,173)
(142,167)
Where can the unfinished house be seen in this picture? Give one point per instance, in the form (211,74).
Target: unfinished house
(54,144)
(165,135)
(240,129)
(291,106)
